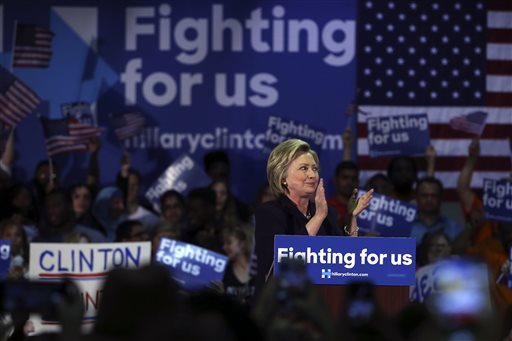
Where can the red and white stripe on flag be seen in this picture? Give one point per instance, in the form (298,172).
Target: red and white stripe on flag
(452,145)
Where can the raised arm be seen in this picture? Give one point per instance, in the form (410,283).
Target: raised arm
(348,142)
(430,156)
(93,172)
(8,154)
(124,172)
(354,207)
(464,181)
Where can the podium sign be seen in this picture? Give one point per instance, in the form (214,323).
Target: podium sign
(343,260)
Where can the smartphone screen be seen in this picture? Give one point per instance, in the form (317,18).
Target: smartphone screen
(292,280)
(31,297)
(462,290)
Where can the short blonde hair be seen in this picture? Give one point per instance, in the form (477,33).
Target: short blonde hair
(279,160)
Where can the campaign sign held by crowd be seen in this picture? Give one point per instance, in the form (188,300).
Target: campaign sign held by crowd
(342,260)
(193,267)
(5,257)
(280,129)
(387,217)
(182,175)
(455,286)
(87,265)
(498,199)
(398,135)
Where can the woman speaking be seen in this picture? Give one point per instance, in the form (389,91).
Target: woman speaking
(300,207)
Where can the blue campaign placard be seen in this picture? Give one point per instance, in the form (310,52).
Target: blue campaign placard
(182,175)
(280,129)
(342,260)
(498,199)
(398,135)
(5,257)
(387,217)
(193,267)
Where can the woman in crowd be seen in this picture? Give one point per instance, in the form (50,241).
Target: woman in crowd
(226,213)
(434,247)
(109,210)
(172,207)
(301,208)
(82,199)
(238,246)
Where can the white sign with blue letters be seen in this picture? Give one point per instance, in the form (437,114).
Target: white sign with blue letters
(87,265)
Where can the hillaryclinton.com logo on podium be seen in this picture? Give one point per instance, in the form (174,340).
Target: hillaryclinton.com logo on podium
(326,273)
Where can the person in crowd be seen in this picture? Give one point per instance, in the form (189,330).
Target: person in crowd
(60,220)
(238,246)
(218,167)
(346,179)
(226,214)
(131,231)
(134,302)
(403,174)
(21,207)
(219,317)
(82,207)
(201,229)
(128,180)
(477,227)
(495,252)
(163,229)
(488,240)
(172,207)
(433,247)
(294,312)
(380,184)
(109,210)
(14,232)
(301,208)
(429,219)
(45,180)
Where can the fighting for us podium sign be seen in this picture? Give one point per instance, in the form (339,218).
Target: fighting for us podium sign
(343,260)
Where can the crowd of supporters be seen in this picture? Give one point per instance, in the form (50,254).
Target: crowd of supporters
(146,304)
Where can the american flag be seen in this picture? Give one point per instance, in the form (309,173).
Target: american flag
(17,100)
(67,135)
(473,123)
(128,124)
(448,59)
(32,46)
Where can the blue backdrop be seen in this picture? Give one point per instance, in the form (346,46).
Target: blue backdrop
(207,75)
